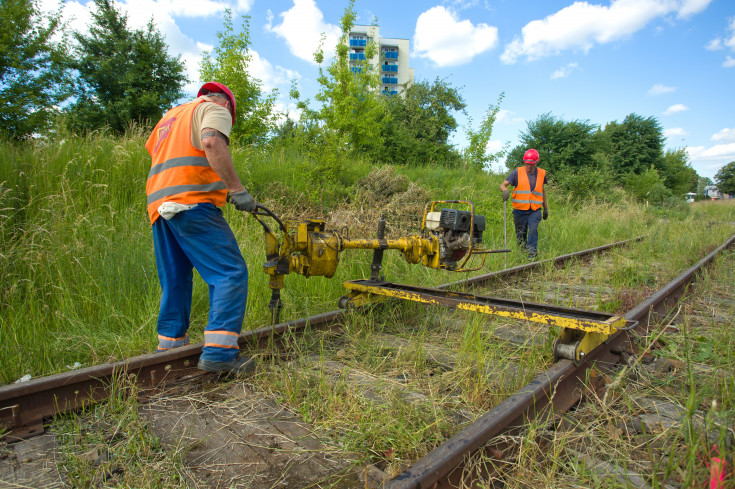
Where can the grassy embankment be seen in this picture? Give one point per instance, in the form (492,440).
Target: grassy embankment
(79,282)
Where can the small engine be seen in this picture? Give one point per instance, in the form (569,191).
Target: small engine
(452,227)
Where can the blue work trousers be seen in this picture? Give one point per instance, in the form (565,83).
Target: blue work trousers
(526,223)
(200,238)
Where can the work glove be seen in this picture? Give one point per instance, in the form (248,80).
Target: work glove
(506,194)
(242,201)
(545,215)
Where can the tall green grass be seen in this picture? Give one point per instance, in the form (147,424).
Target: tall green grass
(78,281)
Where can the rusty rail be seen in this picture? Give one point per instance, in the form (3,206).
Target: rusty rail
(24,406)
(559,388)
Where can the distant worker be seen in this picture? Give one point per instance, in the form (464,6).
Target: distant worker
(528,198)
(191,177)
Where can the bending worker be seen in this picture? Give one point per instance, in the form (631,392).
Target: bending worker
(191,177)
(528,198)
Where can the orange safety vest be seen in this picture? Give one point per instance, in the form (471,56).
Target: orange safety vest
(179,171)
(523,197)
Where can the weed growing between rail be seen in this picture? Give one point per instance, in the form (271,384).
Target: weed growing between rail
(399,379)
(110,445)
(660,422)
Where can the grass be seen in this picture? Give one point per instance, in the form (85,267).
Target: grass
(79,284)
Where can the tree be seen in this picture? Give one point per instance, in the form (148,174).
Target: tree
(124,76)
(648,186)
(561,145)
(678,174)
(352,105)
(254,118)
(636,144)
(725,178)
(419,125)
(34,76)
(476,153)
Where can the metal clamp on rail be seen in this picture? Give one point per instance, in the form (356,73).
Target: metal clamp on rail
(576,343)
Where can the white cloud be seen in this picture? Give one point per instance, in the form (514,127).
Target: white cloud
(494,146)
(507,117)
(675,132)
(581,25)
(447,41)
(708,160)
(714,45)
(676,108)
(728,41)
(465,4)
(716,152)
(245,5)
(659,89)
(271,77)
(302,27)
(687,8)
(282,111)
(564,71)
(725,135)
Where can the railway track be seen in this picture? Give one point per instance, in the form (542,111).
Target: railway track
(379,369)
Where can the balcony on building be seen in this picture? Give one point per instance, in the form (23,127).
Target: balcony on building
(390,54)
(390,80)
(358,43)
(390,68)
(357,56)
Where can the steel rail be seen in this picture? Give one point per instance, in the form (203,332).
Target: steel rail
(559,388)
(24,406)
(521,269)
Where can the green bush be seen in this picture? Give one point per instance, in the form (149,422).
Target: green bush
(584,183)
(648,186)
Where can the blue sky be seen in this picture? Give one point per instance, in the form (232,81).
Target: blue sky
(595,60)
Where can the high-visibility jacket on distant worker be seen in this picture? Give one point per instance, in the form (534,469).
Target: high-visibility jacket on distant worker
(180,172)
(523,197)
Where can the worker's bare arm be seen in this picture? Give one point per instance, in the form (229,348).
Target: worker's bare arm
(215,147)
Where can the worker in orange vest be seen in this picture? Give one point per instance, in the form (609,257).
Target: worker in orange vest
(529,197)
(191,177)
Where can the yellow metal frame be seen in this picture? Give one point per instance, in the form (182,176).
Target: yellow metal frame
(578,338)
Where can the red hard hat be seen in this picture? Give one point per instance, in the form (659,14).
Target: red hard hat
(218,87)
(530,157)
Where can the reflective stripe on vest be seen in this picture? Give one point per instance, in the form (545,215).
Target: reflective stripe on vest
(166,343)
(221,339)
(523,197)
(179,171)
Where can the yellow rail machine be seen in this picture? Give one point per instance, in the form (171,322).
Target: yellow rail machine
(448,239)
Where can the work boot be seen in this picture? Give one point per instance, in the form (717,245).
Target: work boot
(238,365)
